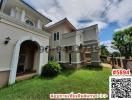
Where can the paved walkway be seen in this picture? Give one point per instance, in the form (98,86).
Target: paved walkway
(106,65)
(110,66)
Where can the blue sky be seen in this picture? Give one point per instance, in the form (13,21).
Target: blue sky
(108,14)
(107,32)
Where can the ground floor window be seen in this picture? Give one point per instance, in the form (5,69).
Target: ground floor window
(70,58)
(59,56)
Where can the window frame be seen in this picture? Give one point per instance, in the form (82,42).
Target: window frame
(58,36)
(55,38)
(59,56)
(29,22)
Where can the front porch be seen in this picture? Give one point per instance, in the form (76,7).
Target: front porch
(25,76)
(28,60)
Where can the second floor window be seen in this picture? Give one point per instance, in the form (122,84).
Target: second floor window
(29,22)
(56,36)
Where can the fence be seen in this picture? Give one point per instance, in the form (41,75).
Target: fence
(120,62)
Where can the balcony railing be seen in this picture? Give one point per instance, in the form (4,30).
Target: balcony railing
(18,22)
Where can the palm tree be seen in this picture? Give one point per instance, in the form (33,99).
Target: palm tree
(122,40)
(104,51)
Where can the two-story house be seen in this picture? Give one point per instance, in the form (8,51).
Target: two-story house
(23,41)
(72,47)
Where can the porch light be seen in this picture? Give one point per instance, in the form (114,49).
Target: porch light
(7,39)
(41,49)
(47,49)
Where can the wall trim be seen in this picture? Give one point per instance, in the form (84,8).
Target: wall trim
(75,62)
(20,25)
(3,69)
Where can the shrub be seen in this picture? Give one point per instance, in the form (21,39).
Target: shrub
(51,69)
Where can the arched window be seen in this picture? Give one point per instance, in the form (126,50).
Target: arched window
(29,22)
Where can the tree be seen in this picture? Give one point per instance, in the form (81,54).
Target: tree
(116,54)
(104,51)
(122,40)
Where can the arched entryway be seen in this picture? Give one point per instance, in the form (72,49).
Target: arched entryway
(38,59)
(28,61)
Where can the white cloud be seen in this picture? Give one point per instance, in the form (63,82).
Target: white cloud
(108,45)
(120,12)
(101,25)
(78,9)
(75,10)
(122,28)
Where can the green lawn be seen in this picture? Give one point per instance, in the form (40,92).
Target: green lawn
(79,81)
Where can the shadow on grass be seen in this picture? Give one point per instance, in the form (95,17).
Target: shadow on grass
(68,72)
(95,68)
(48,77)
(64,72)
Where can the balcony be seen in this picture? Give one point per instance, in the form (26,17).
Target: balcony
(87,36)
(68,39)
(20,23)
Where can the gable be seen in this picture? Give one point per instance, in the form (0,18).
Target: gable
(64,25)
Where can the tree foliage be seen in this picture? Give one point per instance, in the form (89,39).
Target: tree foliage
(104,51)
(122,40)
(116,54)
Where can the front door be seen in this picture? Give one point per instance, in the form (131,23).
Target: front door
(26,57)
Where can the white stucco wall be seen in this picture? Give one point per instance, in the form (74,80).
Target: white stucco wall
(62,28)
(68,39)
(90,33)
(16,33)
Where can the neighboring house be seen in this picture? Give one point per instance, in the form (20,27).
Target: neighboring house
(22,40)
(72,47)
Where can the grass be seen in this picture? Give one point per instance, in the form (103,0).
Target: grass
(77,81)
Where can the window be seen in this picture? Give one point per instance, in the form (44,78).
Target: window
(57,35)
(70,58)
(54,36)
(29,22)
(59,56)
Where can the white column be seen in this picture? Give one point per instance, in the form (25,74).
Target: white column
(12,12)
(12,77)
(38,24)
(40,63)
(23,14)
(76,57)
